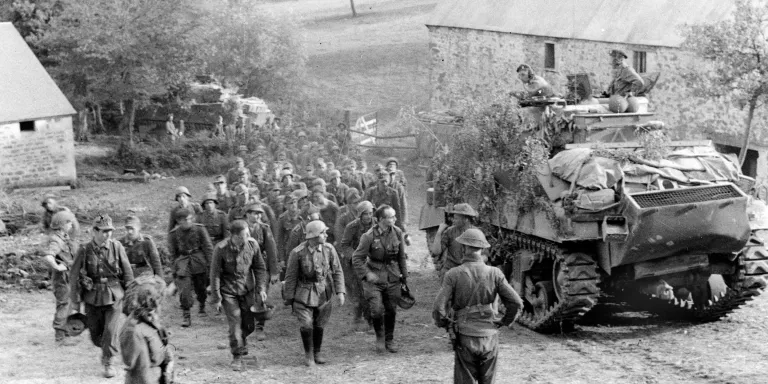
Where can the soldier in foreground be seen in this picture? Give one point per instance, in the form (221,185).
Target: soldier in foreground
(380,263)
(447,252)
(102,270)
(465,305)
(214,220)
(313,275)
(140,249)
(191,250)
(60,254)
(238,274)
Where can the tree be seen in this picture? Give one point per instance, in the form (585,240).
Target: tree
(32,19)
(736,50)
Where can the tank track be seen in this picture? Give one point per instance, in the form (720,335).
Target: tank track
(750,278)
(580,288)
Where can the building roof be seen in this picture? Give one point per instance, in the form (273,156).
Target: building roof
(27,91)
(646,22)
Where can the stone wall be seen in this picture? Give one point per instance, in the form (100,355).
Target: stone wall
(470,64)
(43,157)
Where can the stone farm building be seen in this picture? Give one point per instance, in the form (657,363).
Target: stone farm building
(36,137)
(476,46)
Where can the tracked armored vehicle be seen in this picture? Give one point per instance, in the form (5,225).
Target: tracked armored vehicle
(678,236)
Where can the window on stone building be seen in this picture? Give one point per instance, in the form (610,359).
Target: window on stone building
(549,55)
(638,61)
(27,126)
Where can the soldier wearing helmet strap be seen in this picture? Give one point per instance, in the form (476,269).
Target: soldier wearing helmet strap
(214,220)
(102,270)
(140,249)
(380,263)
(238,275)
(60,254)
(448,253)
(182,197)
(262,233)
(350,239)
(190,250)
(313,275)
(465,303)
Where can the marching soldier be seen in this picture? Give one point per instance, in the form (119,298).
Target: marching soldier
(336,187)
(312,277)
(469,291)
(223,195)
(238,274)
(401,194)
(382,194)
(449,252)
(399,176)
(182,197)
(214,220)
(274,200)
(380,264)
(347,214)
(51,207)
(328,210)
(102,270)
(237,212)
(190,249)
(285,223)
(353,232)
(140,249)
(234,173)
(262,233)
(60,254)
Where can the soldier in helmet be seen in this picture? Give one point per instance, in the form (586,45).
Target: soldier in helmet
(215,221)
(313,275)
(190,250)
(469,292)
(285,223)
(51,207)
(288,185)
(59,252)
(448,253)
(625,79)
(234,173)
(262,233)
(350,239)
(242,199)
(238,274)
(223,195)
(336,187)
(182,198)
(102,270)
(140,249)
(347,214)
(382,194)
(399,176)
(380,264)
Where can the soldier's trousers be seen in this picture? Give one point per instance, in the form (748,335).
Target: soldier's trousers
(260,304)
(382,298)
(61,293)
(240,320)
(475,359)
(104,324)
(354,289)
(186,284)
(312,317)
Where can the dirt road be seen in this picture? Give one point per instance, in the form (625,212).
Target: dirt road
(610,347)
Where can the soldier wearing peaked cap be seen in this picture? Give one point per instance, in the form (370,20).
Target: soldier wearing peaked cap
(223,195)
(262,233)
(625,79)
(140,249)
(99,274)
(274,199)
(350,239)
(447,252)
(190,250)
(182,197)
(60,254)
(382,194)
(214,220)
(469,292)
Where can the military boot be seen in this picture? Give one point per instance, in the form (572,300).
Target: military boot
(236,364)
(389,332)
(378,329)
(317,340)
(307,340)
(201,311)
(187,319)
(109,370)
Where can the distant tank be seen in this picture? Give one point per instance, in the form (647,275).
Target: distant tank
(677,236)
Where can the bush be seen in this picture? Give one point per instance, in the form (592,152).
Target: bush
(205,156)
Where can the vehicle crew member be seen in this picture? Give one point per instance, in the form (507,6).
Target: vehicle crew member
(102,270)
(534,85)
(215,221)
(625,78)
(59,252)
(182,197)
(449,253)
(262,233)
(140,249)
(238,275)
(353,232)
(469,292)
(313,275)
(191,250)
(379,262)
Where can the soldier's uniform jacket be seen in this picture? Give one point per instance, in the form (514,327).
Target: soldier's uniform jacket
(233,175)
(285,225)
(294,186)
(194,207)
(313,275)
(142,253)
(262,233)
(346,215)
(237,271)
(452,250)
(625,80)
(226,200)
(382,253)
(190,249)
(106,267)
(296,236)
(340,191)
(328,215)
(400,178)
(389,197)
(353,232)
(400,189)
(143,352)
(215,223)
(352,183)
(62,248)
(276,204)
(470,291)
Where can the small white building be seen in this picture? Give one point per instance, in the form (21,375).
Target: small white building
(37,146)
